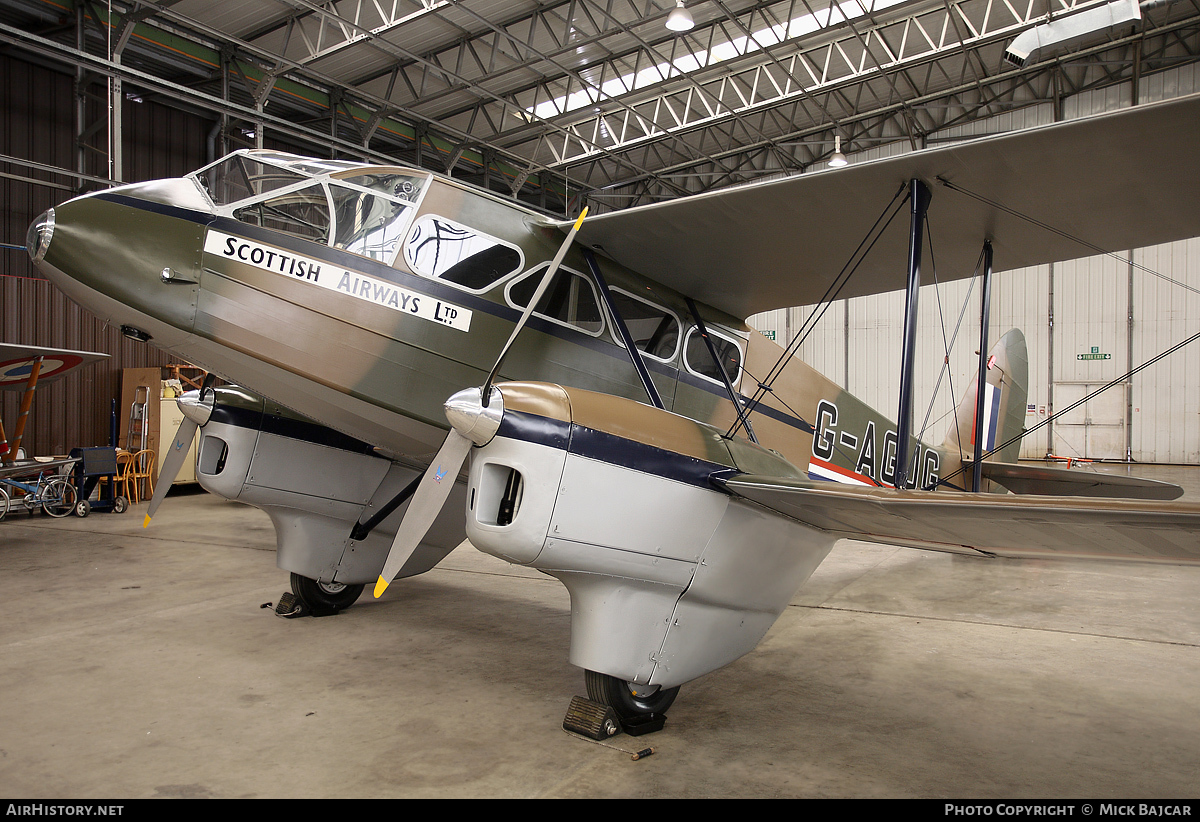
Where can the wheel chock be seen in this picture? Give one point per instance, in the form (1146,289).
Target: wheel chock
(289,607)
(591,719)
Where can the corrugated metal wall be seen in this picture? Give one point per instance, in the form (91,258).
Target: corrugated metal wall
(37,123)
(1099,304)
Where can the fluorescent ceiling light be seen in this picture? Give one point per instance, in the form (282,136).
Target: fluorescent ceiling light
(835,14)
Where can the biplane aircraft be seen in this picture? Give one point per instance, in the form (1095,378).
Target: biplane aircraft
(628,433)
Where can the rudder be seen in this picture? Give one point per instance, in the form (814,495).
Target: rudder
(1005,395)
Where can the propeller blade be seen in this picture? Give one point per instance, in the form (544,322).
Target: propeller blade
(194,415)
(425,505)
(537,298)
(171,465)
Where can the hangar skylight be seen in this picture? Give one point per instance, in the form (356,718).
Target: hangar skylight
(835,14)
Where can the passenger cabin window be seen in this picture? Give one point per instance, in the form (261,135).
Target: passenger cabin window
(303,212)
(655,330)
(700,362)
(570,299)
(444,249)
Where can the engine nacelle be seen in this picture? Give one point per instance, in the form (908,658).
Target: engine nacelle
(670,578)
(316,484)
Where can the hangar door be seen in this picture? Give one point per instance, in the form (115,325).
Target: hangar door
(1094,430)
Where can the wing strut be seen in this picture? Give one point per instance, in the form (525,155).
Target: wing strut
(635,353)
(362,529)
(919,197)
(985,304)
(26,403)
(712,352)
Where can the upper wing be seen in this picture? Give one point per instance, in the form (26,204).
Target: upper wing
(16,363)
(1002,524)
(1117,181)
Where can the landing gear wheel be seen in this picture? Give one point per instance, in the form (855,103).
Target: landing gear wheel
(619,695)
(324,595)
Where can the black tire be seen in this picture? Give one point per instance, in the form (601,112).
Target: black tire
(618,695)
(83,508)
(120,505)
(324,595)
(58,497)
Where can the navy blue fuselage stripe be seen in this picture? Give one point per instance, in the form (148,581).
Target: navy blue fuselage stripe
(259,420)
(434,288)
(519,425)
(638,456)
(609,448)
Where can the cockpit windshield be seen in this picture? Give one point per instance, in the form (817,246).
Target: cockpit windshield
(347,205)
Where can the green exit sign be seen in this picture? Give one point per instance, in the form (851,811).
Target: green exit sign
(1094,355)
(770,335)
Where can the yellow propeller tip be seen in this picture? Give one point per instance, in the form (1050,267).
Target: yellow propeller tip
(146,521)
(579,222)
(380,586)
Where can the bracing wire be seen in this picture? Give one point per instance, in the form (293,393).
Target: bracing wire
(949,346)
(1079,402)
(869,239)
(1061,233)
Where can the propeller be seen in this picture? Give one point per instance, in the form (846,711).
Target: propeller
(197,407)
(474,415)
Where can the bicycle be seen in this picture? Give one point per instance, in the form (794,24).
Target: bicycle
(54,494)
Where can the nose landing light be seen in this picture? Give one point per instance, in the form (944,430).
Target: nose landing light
(37,239)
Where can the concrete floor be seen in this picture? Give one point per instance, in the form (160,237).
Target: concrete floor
(141,664)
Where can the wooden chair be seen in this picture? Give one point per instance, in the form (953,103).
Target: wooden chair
(143,471)
(123,480)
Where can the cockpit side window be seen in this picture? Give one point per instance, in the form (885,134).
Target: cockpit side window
(700,362)
(365,210)
(442,248)
(239,177)
(303,212)
(569,300)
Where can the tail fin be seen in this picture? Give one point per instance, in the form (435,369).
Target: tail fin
(1005,393)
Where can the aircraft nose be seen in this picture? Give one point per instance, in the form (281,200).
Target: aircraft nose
(471,418)
(107,251)
(37,239)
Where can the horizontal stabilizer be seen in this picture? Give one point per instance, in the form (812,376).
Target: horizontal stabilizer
(1065,482)
(1001,524)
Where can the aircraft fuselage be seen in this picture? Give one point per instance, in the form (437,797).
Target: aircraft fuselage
(366,342)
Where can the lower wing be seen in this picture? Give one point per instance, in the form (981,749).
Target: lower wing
(1000,524)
